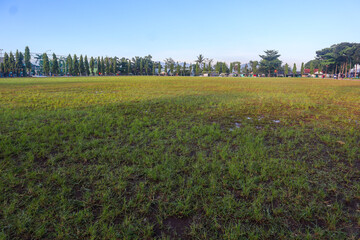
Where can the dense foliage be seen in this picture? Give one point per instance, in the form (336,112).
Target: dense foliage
(338,58)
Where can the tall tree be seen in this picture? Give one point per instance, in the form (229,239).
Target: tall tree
(146,67)
(12,63)
(46,64)
(107,66)
(190,69)
(246,71)
(141,67)
(2,69)
(286,69)
(75,67)
(114,65)
(217,67)
(69,64)
(22,64)
(159,68)
(200,59)
(270,62)
(197,69)
(27,60)
(311,68)
(209,66)
(172,68)
(86,62)
(102,65)
(224,68)
(184,69)
(153,69)
(17,62)
(81,65)
(55,65)
(239,68)
(92,65)
(254,65)
(98,64)
(302,68)
(177,68)
(294,70)
(6,64)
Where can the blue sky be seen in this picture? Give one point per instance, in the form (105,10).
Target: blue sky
(227,30)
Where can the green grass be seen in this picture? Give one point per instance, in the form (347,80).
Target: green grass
(179,157)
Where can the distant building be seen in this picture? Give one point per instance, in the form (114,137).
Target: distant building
(307,70)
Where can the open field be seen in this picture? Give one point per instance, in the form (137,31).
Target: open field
(179,157)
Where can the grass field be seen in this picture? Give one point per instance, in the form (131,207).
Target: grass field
(179,157)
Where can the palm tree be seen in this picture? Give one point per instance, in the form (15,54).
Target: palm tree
(200,59)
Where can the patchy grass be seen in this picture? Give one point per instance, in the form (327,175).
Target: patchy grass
(179,157)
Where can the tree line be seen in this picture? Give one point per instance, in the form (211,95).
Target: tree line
(338,58)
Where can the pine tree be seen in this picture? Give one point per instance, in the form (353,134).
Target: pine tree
(12,63)
(184,69)
(302,68)
(209,67)
(21,64)
(69,64)
(54,65)
(286,69)
(166,70)
(17,63)
(86,62)
(46,64)
(102,64)
(204,67)
(75,66)
(153,69)
(98,65)
(107,66)
(81,65)
(2,69)
(92,65)
(294,70)
(27,59)
(6,64)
